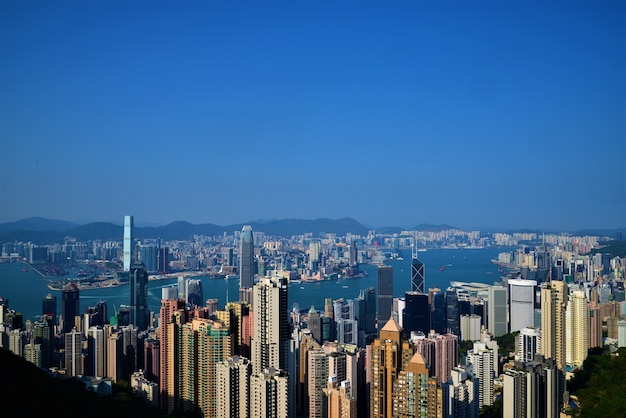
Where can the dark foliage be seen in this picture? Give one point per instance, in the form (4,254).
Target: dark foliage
(27,391)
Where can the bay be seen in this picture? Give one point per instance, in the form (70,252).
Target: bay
(26,289)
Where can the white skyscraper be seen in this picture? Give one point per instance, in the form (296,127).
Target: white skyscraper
(576,329)
(128,242)
(484,360)
(521,303)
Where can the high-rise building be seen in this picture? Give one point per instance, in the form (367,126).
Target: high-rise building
(453,323)
(341,403)
(139,312)
(170,306)
(528,343)
(385,295)
(531,390)
(497,311)
(70,305)
(49,307)
(246,258)
(129,244)
(417,274)
(416,313)
(194,294)
(463,393)
(233,387)
(470,327)
(437,304)
(521,303)
(576,329)
(554,298)
(74,360)
(269,394)
(390,354)
(96,352)
(271,336)
(484,360)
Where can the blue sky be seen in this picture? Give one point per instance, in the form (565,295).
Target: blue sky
(471,113)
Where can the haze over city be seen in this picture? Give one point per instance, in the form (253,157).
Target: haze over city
(473,114)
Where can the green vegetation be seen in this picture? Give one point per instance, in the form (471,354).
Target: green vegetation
(615,248)
(600,385)
(506,343)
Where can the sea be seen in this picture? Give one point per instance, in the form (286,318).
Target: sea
(23,288)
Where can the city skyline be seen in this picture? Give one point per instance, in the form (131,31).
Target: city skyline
(472,114)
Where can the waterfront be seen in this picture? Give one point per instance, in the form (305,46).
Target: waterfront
(26,289)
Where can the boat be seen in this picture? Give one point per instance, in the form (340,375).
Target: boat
(345,287)
(231,276)
(442,268)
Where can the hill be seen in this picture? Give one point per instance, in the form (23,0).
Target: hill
(42,232)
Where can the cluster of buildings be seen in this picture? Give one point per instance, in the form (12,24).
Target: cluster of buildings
(375,355)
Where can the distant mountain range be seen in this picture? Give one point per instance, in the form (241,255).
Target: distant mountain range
(49,231)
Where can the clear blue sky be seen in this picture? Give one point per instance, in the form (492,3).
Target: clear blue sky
(471,113)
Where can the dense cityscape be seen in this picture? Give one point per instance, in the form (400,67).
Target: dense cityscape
(510,349)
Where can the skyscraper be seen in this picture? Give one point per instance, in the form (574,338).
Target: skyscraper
(129,251)
(577,329)
(246,258)
(496,311)
(415,316)
(521,303)
(417,273)
(270,341)
(70,305)
(453,320)
(385,295)
(139,313)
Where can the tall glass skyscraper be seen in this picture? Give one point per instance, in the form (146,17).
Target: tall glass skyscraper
(139,313)
(246,258)
(417,274)
(128,242)
(70,305)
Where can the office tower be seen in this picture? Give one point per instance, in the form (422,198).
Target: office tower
(195,296)
(521,303)
(463,393)
(246,258)
(577,329)
(163,260)
(49,307)
(139,313)
(484,360)
(114,353)
(96,352)
(148,255)
(270,343)
(203,344)
(129,244)
(389,355)
(366,310)
(553,305)
(341,403)
(385,295)
(74,360)
(97,315)
(269,394)
(416,315)
(353,255)
(528,343)
(437,304)
(417,274)
(453,325)
(470,327)
(233,387)
(314,324)
(346,324)
(497,311)
(43,335)
(70,306)
(314,255)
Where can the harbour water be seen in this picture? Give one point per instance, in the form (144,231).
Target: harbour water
(26,289)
